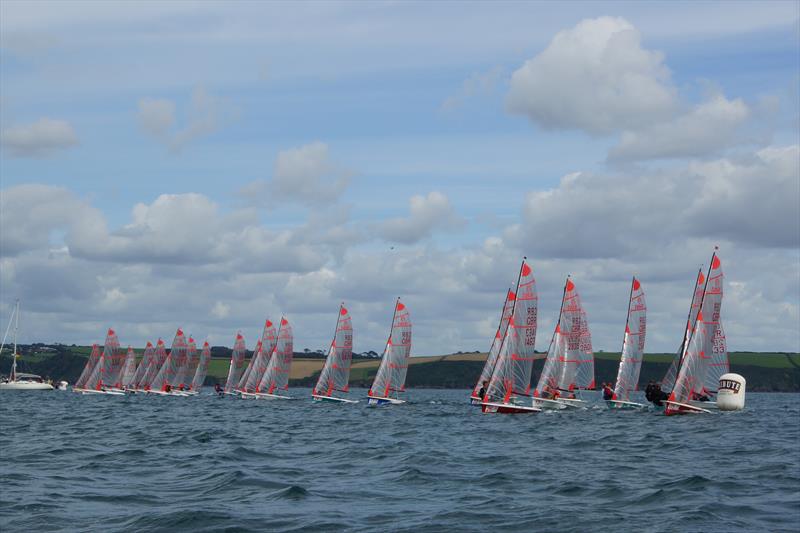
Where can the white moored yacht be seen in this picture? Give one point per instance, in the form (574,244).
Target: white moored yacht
(19,381)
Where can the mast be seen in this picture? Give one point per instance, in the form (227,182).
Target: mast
(627,317)
(699,310)
(13,376)
(560,311)
(487,372)
(513,308)
(689,316)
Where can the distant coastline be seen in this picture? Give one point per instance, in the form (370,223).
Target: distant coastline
(764,371)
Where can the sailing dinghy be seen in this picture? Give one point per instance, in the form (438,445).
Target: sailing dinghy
(106,371)
(202,369)
(390,380)
(94,357)
(705,355)
(165,381)
(186,375)
(335,375)
(511,375)
(494,350)
(276,376)
(159,355)
(237,361)
(261,356)
(141,368)
(569,366)
(630,363)
(128,370)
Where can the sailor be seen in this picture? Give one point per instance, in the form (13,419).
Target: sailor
(167,388)
(218,388)
(648,392)
(482,392)
(700,397)
(608,393)
(658,396)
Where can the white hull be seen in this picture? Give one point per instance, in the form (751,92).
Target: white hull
(171,393)
(379,400)
(573,402)
(704,405)
(687,408)
(543,403)
(507,408)
(25,385)
(622,404)
(264,396)
(319,398)
(93,391)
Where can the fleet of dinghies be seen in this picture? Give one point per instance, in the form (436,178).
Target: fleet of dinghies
(505,384)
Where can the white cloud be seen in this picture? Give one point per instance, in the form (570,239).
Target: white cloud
(305,176)
(479,83)
(220,310)
(204,115)
(594,77)
(427,214)
(156,115)
(39,139)
(751,201)
(707,128)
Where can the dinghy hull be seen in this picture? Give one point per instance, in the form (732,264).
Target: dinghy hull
(508,409)
(331,399)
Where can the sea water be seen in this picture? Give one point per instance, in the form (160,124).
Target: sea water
(152,463)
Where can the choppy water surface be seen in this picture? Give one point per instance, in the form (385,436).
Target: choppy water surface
(72,462)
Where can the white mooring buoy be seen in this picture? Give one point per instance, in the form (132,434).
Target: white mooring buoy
(730,393)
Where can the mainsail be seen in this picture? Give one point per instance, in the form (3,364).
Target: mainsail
(335,375)
(159,357)
(144,364)
(668,382)
(630,363)
(494,350)
(512,371)
(106,371)
(169,370)
(202,367)
(189,369)
(91,363)
(570,359)
(261,357)
(276,376)
(391,376)
(706,355)
(237,361)
(128,370)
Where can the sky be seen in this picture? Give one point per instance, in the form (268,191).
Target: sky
(209,165)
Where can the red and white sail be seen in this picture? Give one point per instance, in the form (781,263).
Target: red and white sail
(91,363)
(335,375)
(188,370)
(630,363)
(691,375)
(202,367)
(128,370)
(570,359)
(668,382)
(261,357)
(706,357)
(497,342)
(106,371)
(512,371)
(144,364)
(391,376)
(276,376)
(237,363)
(159,357)
(168,372)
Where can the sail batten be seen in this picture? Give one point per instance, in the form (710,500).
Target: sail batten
(633,342)
(512,370)
(107,370)
(276,375)
(202,367)
(570,358)
(237,362)
(91,363)
(335,374)
(391,375)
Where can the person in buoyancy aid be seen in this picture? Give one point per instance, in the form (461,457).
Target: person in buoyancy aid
(218,389)
(658,396)
(648,392)
(482,392)
(608,392)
